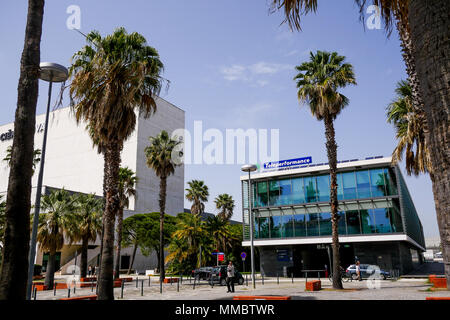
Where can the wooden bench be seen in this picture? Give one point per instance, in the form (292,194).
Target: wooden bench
(92,297)
(314,285)
(261,298)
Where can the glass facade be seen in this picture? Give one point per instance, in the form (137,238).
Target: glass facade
(352,185)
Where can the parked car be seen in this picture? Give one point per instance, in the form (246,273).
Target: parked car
(219,275)
(203,273)
(366,271)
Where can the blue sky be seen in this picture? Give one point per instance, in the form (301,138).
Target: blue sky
(231,65)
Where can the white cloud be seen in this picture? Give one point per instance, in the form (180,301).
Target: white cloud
(235,72)
(252,73)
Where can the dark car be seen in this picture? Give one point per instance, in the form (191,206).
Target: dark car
(366,271)
(219,275)
(203,273)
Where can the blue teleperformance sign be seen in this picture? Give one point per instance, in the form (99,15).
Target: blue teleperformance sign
(287,163)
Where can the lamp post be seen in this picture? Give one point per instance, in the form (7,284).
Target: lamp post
(50,72)
(250,168)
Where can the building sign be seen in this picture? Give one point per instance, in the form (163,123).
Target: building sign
(10,133)
(283,255)
(287,163)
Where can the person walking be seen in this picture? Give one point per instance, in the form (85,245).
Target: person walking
(230,277)
(358,271)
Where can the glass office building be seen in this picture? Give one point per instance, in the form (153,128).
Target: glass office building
(377,220)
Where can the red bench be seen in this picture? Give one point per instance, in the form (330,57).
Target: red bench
(170,280)
(92,297)
(440,282)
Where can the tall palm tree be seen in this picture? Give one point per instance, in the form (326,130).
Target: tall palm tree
(127,182)
(85,224)
(225,203)
(159,158)
(36,157)
(112,77)
(220,233)
(2,225)
(197,193)
(14,267)
(409,125)
(420,22)
(318,82)
(53,223)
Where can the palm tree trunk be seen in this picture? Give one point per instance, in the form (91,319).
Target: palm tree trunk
(132,258)
(14,268)
(162,208)
(105,173)
(84,258)
(50,272)
(332,160)
(119,243)
(105,281)
(158,257)
(429,23)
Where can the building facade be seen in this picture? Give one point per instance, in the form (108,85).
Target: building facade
(378,223)
(73,163)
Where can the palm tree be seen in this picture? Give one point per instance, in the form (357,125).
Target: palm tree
(159,158)
(220,233)
(36,157)
(318,81)
(14,268)
(58,206)
(409,125)
(419,23)
(127,182)
(112,77)
(85,224)
(225,203)
(197,193)
(2,225)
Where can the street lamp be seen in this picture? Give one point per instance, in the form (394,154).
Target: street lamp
(250,168)
(50,72)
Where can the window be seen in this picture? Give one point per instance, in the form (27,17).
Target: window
(396,220)
(340,189)
(312,224)
(298,194)
(299,225)
(342,226)
(274,193)
(285,191)
(353,224)
(349,184)
(382,222)
(323,188)
(310,189)
(262,197)
(363,184)
(262,225)
(377,184)
(367,221)
(288,227)
(275,226)
(325,223)
(391,182)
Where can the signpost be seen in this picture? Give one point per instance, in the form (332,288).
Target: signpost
(243,256)
(220,256)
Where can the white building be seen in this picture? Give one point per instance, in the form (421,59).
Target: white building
(73,163)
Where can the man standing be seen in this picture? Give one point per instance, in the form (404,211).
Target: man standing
(358,271)
(230,277)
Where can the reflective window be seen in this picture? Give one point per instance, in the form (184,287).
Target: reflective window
(312,224)
(396,220)
(323,188)
(377,185)
(262,225)
(299,225)
(349,184)
(274,193)
(367,221)
(288,226)
(285,191)
(310,189)
(325,223)
(298,194)
(382,222)
(353,223)
(391,183)
(275,226)
(262,196)
(340,189)
(342,226)
(363,184)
